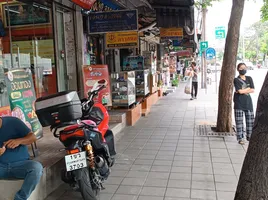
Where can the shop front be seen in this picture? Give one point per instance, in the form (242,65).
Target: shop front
(38,39)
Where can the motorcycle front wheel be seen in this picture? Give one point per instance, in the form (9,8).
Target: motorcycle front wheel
(85,186)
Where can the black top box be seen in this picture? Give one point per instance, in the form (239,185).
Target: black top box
(58,108)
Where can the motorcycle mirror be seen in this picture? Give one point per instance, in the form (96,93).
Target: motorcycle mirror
(102,82)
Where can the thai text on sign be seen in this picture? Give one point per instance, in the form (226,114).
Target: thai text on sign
(171,32)
(122,39)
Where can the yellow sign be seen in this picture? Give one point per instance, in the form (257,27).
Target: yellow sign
(120,40)
(166,33)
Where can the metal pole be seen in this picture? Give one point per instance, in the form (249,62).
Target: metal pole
(10,36)
(205,61)
(216,76)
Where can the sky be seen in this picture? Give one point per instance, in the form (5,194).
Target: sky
(219,14)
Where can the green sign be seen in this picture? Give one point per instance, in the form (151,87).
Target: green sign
(220,32)
(21,94)
(203,46)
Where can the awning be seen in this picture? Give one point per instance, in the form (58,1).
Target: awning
(184,53)
(85,4)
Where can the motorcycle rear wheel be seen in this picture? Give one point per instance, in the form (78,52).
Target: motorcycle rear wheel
(85,186)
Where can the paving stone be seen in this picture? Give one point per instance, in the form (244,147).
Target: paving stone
(124,197)
(156,182)
(176,192)
(153,191)
(203,194)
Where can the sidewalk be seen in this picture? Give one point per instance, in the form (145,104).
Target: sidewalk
(160,158)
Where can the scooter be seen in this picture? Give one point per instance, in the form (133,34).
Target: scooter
(90,151)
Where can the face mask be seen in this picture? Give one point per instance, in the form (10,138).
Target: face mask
(242,72)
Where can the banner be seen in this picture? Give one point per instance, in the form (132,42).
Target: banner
(86,4)
(91,75)
(21,94)
(121,40)
(170,34)
(113,21)
(131,63)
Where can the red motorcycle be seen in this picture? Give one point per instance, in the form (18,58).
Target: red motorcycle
(88,142)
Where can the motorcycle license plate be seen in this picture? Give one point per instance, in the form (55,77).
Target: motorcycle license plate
(76,161)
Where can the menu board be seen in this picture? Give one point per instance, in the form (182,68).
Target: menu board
(91,75)
(22,98)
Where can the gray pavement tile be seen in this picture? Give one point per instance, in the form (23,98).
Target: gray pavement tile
(180,176)
(225,178)
(149,152)
(110,189)
(143,162)
(221,160)
(179,184)
(184,153)
(184,149)
(121,167)
(225,195)
(124,197)
(167,144)
(158,175)
(133,181)
(202,164)
(149,157)
(226,187)
(203,194)
(202,170)
(183,158)
(114,180)
(153,191)
(203,185)
(136,174)
(118,173)
(187,170)
(156,182)
(130,190)
(224,171)
(201,159)
(150,198)
(167,153)
(164,157)
(177,192)
(203,177)
(103,196)
(177,163)
(145,168)
(160,168)
(163,162)
(202,149)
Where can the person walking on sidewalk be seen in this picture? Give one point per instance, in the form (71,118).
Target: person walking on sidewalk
(15,161)
(243,103)
(194,75)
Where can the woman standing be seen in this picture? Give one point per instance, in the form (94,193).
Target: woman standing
(244,86)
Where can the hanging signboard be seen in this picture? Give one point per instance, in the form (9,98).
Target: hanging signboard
(170,34)
(122,40)
(91,75)
(131,63)
(113,21)
(103,6)
(86,4)
(21,94)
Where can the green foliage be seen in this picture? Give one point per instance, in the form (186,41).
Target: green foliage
(202,4)
(264,10)
(175,81)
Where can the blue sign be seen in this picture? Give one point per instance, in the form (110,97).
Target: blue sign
(210,53)
(114,21)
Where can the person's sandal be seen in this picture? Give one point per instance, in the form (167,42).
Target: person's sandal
(241,142)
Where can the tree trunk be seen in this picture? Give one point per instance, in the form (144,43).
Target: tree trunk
(224,122)
(253,181)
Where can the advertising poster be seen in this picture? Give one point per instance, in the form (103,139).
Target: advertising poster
(22,98)
(113,21)
(5,111)
(131,63)
(86,4)
(91,75)
(121,40)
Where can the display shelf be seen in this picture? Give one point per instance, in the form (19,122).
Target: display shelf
(142,83)
(123,88)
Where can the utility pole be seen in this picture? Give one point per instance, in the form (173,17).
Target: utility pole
(203,58)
